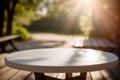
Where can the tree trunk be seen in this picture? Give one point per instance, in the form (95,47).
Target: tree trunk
(10,12)
(2,17)
(9,23)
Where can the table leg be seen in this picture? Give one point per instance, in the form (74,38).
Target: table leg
(2,46)
(3,49)
(68,75)
(12,44)
(83,76)
(39,76)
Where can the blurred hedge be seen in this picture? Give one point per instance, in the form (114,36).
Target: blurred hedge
(19,30)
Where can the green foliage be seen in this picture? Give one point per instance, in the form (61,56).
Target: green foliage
(30,3)
(25,19)
(19,30)
(19,10)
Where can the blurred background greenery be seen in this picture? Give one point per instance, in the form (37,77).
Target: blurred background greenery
(80,17)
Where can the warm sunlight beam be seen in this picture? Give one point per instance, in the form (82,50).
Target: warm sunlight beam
(81,8)
(91,13)
(87,1)
(106,16)
(74,15)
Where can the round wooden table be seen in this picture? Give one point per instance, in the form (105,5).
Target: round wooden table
(67,60)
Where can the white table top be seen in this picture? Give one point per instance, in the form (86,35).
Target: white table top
(61,60)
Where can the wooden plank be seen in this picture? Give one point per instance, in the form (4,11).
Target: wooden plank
(54,75)
(30,77)
(96,75)
(87,43)
(48,76)
(101,43)
(109,44)
(78,42)
(88,76)
(9,74)
(4,69)
(107,75)
(2,65)
(82,42)
(61,76)
(2,62)
(79,76)
(2,55)
(6,38)
(97,43)
(75,74)
(94,43)
(21,75)
(116,71)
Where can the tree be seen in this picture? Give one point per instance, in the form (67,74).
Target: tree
(2,7)
(9,6)
(10,14)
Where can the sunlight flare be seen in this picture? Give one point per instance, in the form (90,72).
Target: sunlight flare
(91,14)
(88,1)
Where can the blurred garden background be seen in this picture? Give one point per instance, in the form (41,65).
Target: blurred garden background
(94,18)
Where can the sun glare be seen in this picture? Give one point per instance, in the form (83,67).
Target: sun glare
(91,14)
(88,1)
